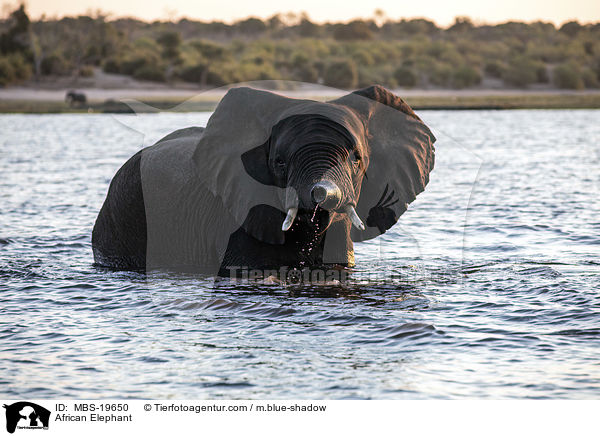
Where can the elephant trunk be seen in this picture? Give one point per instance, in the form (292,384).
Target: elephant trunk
(326,194)
(321,176)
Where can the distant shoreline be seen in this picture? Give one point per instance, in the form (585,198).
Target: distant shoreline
(99,100)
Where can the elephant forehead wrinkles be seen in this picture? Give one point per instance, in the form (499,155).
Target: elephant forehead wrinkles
(301,130)
(340,115)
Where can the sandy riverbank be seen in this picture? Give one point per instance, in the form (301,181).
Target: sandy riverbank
(30,99)
(30,93)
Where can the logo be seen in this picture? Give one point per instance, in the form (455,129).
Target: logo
(26,415)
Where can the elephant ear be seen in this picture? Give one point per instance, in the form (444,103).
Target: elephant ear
(401,156)
(231,158)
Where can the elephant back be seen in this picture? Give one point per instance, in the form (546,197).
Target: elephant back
(187,226)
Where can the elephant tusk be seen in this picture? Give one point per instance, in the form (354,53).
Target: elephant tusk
(354,217)
(289,219)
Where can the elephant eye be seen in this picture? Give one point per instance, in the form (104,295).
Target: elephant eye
(279,162)
(355,160)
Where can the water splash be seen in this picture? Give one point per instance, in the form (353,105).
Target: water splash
(307,249)
(314,214)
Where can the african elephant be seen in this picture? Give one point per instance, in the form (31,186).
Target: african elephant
(74,98)
(271,181)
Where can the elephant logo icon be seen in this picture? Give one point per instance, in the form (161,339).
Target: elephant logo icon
(24,414)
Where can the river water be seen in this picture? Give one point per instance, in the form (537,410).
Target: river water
(488,287)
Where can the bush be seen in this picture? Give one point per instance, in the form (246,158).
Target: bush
(522,72)
(203,74)
(341,74)
(249,71)
(14,69)
(437,48)
(571,28)
(7,72)
(131,65)
(364,58)
(152,73)
(54,64)
(465,76)
(22,68)
(307,73)
(170,42)
(495,69)
(86,71)
(440,74)
(209,50)
(405,77)
(382,75)
(144,44)
(541,73)
(308,29)
(195,73)
(251,26)
(355,30)
(215,78)
(112,65)
(461,25)
(590,80)
(566,76)
(299,59)
(368,77)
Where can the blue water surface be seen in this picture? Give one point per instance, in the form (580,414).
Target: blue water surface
(488,287)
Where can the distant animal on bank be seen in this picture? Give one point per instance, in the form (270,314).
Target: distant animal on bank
(74,98)
(270,182)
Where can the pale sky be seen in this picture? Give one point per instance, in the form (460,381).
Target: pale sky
(440,11)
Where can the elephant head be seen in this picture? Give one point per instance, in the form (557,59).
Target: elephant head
(318,164)
(283,165)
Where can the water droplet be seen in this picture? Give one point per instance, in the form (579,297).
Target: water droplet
(314,213)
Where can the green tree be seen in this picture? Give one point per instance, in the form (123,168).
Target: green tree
(308,29)
(195,74)
(571,28)
(590,79)
(567,76)
(495,68)
(150,72)
(53,64)
(14,68)
(170,43)
(341,74)
(440,74)
(461,25)
(522,72)
(16,38)
(251,26)
(209,50)
(171,46)
(7,71)
(405,77)
(355,30)
(465,77)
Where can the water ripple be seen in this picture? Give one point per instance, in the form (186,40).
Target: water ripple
(483,290)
